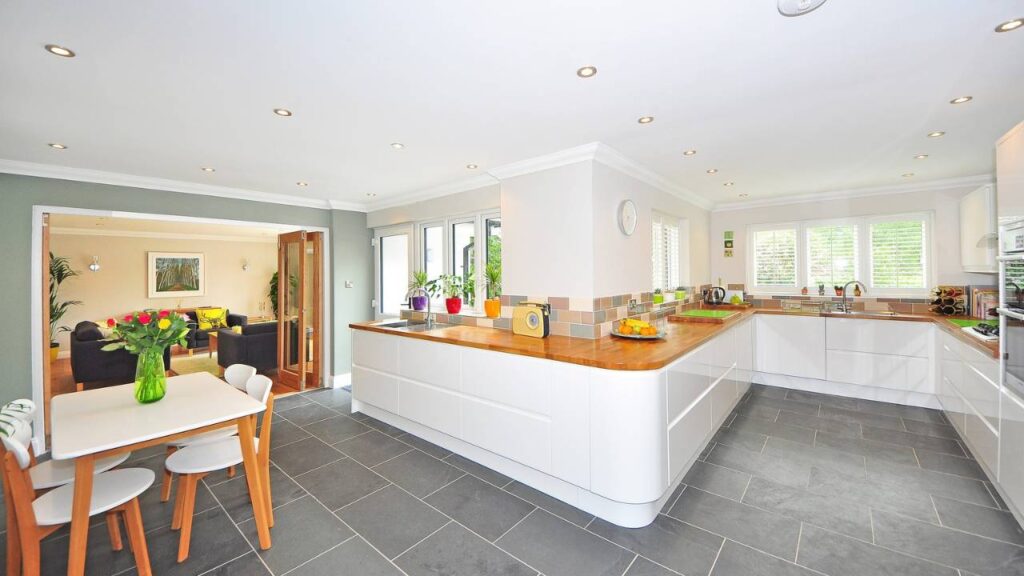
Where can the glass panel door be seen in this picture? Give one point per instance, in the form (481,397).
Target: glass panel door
(299,310)
(392,273)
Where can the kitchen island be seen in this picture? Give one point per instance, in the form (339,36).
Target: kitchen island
(610,426)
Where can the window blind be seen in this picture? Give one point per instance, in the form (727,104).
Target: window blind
(831,254)
(775,257)
(664,253)
(898,254)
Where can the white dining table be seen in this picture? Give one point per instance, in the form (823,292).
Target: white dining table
(93,424)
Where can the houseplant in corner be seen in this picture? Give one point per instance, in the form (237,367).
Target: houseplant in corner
(451,287)
(147,334)
(60,270)
(420,282)
(492,305)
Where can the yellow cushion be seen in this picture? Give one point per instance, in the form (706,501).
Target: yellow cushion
(236,329)
(214,317)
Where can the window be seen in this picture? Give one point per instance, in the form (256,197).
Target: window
(433,250)
(492,259)
(889,254)
(831,254)
(464,258)
(393,271)
(774,258)
(664,252)
(898,252)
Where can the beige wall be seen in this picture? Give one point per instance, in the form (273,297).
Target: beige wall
(945,204)
(477,200)
(120,285)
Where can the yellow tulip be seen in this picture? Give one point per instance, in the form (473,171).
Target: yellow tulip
(164,324)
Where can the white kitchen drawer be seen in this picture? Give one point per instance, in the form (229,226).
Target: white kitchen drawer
(525,438)
(983,362)
(902,373)
(429,362)
(1011,456)
(790,345)
(723,354)
(952,404)
(723,398)
(951,364)
(431,406)
(376,351)
(687,435)
(981,394)
(878,336)
(376,388)
(983,441)
(687,380)
(510,379)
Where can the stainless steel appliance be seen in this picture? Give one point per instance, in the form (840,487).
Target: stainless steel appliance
(714,295)
(1010,205)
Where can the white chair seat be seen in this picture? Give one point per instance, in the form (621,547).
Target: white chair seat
(206,457)
(205,437)
(109,490)
(53,473)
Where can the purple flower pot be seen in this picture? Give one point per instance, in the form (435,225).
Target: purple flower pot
(419,302)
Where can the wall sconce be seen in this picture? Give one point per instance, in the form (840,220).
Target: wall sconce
(245,265)
(95,266)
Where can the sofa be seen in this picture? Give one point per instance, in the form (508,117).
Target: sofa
(255,346)
(91,367)
(198,338)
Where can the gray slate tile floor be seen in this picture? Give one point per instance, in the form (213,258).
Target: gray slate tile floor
(796,484)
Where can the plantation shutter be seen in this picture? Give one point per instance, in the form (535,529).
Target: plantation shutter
(831,254)
(665,252)
(898,252)
(775,257)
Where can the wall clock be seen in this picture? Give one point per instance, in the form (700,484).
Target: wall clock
(627,217)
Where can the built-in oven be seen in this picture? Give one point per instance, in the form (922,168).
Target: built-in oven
(1011,306)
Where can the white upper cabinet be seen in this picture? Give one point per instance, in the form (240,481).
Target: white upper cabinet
(978,231)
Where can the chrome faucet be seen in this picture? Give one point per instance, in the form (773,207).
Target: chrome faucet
(414,292)
(864,290)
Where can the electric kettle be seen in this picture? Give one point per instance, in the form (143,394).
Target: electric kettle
(714,296)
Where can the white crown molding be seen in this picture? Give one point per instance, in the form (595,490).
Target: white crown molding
(464,185)
(133,181)
(346,205)
(547,161)
(614,159)
(68,231)
(933,185)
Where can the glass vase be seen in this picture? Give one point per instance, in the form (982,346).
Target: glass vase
(150,376)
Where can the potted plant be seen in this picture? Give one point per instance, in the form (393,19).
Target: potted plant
(147,334)
(659,298)
(492,306)
(680,294)
(451,287)
(839,290)
(419,282)
(272,292)
(60,270)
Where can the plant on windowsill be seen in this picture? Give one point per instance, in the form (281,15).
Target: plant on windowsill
(147,334)
(492,306)
(680,294)
(60,270)
(420,281)
(452,288)
(659,298)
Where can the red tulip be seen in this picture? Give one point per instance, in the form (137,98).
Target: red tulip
(111,322)
(145,318)
(165,313)
(128,318)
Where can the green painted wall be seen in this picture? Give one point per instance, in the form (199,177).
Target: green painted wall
(18,194)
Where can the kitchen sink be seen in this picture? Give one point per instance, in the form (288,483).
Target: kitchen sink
(881,313)
(407,326)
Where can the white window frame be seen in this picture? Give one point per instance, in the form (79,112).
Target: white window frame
(664,219)
(379,233)
(864,256)
(479,220)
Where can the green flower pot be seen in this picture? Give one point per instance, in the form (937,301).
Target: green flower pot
(680,295)
(659,298)
(150,376)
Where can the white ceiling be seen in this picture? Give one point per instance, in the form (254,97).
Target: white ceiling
(840,98)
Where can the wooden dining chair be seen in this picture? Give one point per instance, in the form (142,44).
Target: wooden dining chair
(114,492)
(192,463)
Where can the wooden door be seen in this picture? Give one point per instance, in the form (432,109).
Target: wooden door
(300,308)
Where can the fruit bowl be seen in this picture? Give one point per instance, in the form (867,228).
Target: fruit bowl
(658,336)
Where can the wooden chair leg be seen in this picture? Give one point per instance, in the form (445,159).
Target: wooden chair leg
(179,502)
(30,556)
(187,509)
(13,545)
(231,471)
(165,488)
(267,491)
(79,386)
(114,527)
(137,537)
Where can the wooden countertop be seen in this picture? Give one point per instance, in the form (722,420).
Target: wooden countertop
(612,353)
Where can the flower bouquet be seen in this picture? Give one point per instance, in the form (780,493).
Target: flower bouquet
(147,334)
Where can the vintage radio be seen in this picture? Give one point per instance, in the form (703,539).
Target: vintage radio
(531,319)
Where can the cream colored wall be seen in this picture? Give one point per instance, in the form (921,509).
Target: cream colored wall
(120,285)
(477,200)
(945,204)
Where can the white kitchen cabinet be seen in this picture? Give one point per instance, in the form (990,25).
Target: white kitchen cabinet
(950,379)
(978,231)
(744,356)
(790,345)
(878,336)
(983,442)
(1011,456)
(903,373)
(1010,172)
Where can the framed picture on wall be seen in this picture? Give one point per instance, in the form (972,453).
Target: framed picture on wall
(176,274)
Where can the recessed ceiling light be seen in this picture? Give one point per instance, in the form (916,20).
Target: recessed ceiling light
(689,152)
(60,51)
(587,72)
(208,169)
(712,170)
(1010,25)
(744,195)
(920,157)
(57,146)
(961,100)
(645,119)
(471,166)
(729,184)
(936,134)
(302,184)
(908,175)
(282,112)
(397,145)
